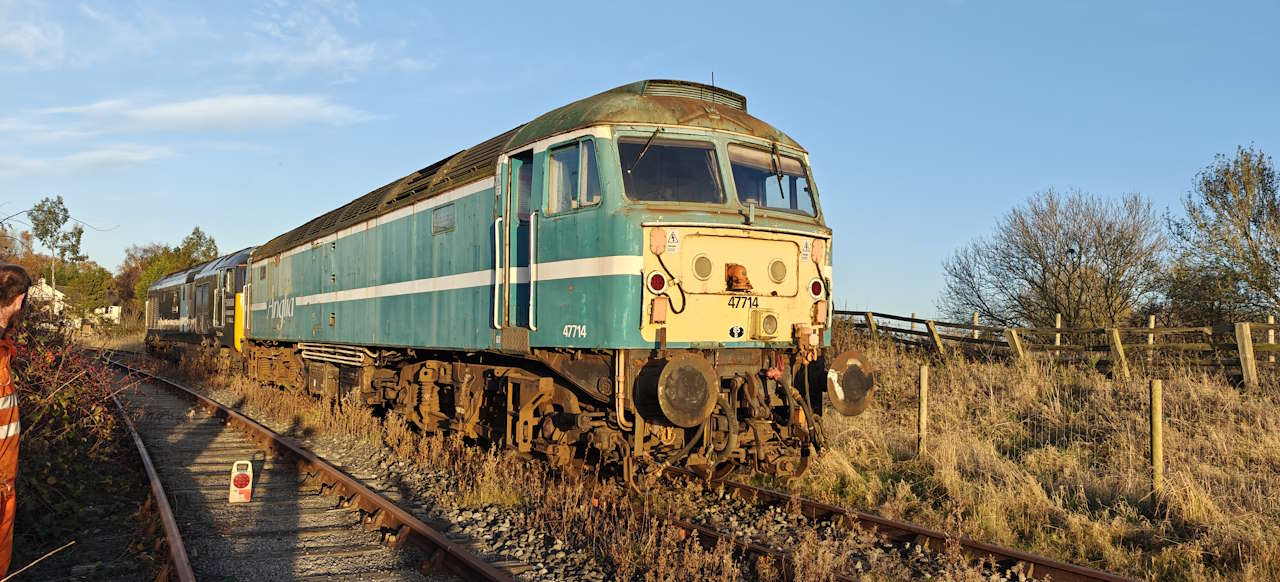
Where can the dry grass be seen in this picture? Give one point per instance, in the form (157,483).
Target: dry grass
(1054,460)
(132,342)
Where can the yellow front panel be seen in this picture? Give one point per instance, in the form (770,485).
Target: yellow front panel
(710,312)
(239,323)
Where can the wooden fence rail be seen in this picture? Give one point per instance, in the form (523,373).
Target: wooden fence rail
(1230,346)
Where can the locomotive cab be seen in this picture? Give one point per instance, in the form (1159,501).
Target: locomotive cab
(728,320)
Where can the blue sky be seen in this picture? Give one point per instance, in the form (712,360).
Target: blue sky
(924,120)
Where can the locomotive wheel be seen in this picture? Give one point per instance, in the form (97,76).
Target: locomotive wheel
(850,383)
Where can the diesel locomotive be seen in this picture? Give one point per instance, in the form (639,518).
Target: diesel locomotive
(642,276)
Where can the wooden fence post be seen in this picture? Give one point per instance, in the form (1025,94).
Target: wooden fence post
(1057,335)
(913,323)
(1151,340)
(937,339)
(975,324)
(1157,436)
(871,324)
(922,414)
(1015,343)
(1119,364)
(1244,344)
(1271,338)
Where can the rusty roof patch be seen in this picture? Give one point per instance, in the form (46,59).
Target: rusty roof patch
(653,102)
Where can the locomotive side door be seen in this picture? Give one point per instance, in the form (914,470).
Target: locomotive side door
(520,180)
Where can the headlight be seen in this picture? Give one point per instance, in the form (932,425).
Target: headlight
(764,324)
(769,324)
(702,267)
(777,271)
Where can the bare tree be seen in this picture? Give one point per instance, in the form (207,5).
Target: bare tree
(1232,227)
(1091,259)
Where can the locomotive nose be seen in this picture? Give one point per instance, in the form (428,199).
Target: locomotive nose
(684,389)
(850,382)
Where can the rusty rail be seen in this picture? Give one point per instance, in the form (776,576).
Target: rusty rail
(439,550)
(178,561)
(1037,567)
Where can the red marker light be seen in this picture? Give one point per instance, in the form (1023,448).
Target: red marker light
(816,288)
(657,283)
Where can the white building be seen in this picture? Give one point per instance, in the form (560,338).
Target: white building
(108,314)
(44,293)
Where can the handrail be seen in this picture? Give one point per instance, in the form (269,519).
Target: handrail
(497,271)
(533,267)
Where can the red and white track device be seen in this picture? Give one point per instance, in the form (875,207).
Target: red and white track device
(241,482)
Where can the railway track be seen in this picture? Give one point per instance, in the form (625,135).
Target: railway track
(307,519)
(1015,564)
(752,503)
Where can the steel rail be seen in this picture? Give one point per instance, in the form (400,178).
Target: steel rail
(1034,566)
(439,549)
(173,537)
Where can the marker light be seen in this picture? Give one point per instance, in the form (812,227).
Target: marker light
(816,288)
(657,283)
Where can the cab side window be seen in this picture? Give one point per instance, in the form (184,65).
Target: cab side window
(574,181)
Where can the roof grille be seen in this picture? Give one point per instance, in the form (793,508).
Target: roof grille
(695,91)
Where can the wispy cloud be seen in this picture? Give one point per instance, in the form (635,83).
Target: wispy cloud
(206,117)
(105,106)
(106,157)
(242,112)
(29,40)
(305,39)
(231,112)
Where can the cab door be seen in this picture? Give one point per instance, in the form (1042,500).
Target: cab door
(567,301)
(520,182)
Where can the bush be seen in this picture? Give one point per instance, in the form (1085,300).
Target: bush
(72,448)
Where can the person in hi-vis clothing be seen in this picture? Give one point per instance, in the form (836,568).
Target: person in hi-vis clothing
(14,283)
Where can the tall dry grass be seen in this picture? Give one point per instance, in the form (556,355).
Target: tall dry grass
(1054,460)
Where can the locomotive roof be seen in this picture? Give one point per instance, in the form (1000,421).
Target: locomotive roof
(652,102)
(191,273)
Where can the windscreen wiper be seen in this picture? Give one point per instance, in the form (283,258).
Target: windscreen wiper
(644,150)
(777,170)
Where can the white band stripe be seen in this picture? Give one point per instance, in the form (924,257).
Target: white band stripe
(9,401)
(11,429)
(551,271)
(415,208)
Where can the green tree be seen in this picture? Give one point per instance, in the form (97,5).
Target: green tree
(136,258)
(88,287)
(48,219)
(198,247)
(1232,228)
(155,261)
(156,268)
(1197,294)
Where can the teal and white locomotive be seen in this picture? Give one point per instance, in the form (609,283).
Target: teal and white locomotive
(640,276)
